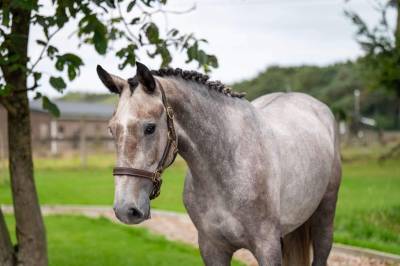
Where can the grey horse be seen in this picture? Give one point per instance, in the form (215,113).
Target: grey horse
(263,175)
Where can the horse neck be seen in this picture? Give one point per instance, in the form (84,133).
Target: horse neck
(208,124)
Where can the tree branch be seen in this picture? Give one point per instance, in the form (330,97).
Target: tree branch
(7,105)
(176,12)
(44,50)
(126,24)
(34,86)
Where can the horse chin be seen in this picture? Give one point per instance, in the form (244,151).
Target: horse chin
(134,221)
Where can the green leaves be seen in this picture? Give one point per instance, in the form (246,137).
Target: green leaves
(44,21)
(173,32)
(100,42)
(213,61)
(25,4)
(152,33)
(205,60)
(5,89)
(192,52)
(128,56)
(51,51)
(97,27)
(40,42)
(5,16)
(135,21)
(50,106)
(36,77)
(165,55)
(130,6)
(73,63)
(110,3)
(149,2)
(94,32)
(57,83)
(382,51)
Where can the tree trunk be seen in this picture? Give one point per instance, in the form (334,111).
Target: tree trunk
(397,38)
(397,109)
(6,248)
(30,231)
(30,228)
(397,31)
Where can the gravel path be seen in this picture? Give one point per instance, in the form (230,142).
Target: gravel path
(178,227)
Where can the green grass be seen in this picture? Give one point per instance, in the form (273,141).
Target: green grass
(368,213)
(81,241)
(64,182)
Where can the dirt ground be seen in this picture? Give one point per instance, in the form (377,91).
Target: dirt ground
(179,227)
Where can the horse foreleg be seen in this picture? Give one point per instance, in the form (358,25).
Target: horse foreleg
(214,254)
(268,251)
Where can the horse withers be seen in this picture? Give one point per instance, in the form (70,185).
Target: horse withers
(263,175)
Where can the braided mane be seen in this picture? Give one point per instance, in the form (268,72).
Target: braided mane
(199,78)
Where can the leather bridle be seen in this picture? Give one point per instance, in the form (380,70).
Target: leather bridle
(172,144)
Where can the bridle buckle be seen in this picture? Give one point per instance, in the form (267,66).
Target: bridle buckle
(170,112)
(156,176)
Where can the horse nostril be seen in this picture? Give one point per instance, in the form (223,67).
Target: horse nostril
(135,213)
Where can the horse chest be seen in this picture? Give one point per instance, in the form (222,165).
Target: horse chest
(214,217)
(221,225)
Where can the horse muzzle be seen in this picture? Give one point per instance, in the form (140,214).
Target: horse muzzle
(132,214)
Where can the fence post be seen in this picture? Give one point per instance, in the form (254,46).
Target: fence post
(2,153)
(53,137)
(82,144)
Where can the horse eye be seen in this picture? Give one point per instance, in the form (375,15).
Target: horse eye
(149,129)
(110,131)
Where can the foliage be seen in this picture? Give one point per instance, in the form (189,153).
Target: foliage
(382,56)
(381,45)
(122,27)
(106,98)
(75,240)
(332,84)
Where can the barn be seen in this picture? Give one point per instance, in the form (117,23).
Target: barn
(81,125)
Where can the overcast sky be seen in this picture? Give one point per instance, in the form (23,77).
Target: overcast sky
(246,35)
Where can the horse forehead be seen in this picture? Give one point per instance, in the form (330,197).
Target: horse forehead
(125,113)
(130,111)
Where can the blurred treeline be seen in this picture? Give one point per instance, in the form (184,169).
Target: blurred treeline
(333,84)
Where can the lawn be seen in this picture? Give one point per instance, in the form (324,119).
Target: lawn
(81,241)
(64,182)
(368,213)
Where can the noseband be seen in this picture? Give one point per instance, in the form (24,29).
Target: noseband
(155,176)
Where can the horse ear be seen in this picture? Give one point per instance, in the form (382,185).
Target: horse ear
(114,83)
(145,77)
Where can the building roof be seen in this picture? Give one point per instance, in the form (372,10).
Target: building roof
(77,110)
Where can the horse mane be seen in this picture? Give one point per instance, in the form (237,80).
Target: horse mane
(198,78)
